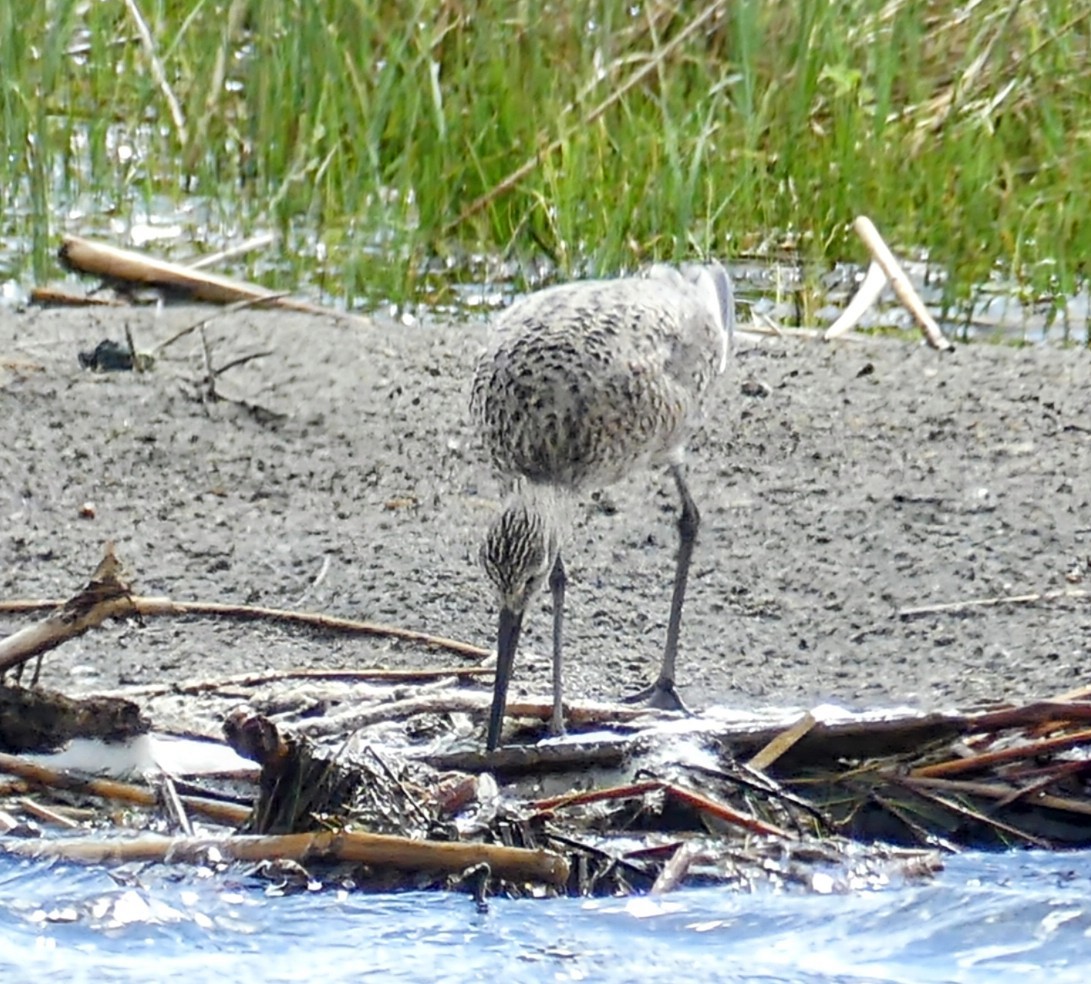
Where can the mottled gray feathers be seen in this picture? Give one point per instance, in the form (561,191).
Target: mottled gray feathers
(586,381)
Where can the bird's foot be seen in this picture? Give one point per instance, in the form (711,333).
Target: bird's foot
(662,695)
(556,722)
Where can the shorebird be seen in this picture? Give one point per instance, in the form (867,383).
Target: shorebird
(583,384)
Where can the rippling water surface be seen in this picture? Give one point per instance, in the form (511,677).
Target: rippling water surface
(987,918)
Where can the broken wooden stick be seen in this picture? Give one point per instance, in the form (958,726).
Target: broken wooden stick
(784,741)
(59,297)
(126,266)
(1031,750)
(107,596)
(97,601)
(52,296)
(387,850)
(887,264)
(692,798)
(674,871)
(966,603)
(867,294)
(43,777)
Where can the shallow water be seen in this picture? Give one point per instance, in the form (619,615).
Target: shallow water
(774,291)
(984,918)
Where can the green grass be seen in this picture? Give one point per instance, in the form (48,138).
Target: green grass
(364,132)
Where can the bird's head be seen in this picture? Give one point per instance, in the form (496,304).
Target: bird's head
(518,553)
(519,549)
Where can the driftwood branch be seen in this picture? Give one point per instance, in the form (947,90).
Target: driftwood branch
(55,296)
(126,266)
(96,602)
(386,850)
(107,596)
(454,701)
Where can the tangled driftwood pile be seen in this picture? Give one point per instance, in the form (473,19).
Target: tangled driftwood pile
(387,790)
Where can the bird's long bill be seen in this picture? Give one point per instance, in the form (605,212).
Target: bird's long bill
(507,638)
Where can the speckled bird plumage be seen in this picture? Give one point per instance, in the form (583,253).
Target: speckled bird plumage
(581,385)
(586,381)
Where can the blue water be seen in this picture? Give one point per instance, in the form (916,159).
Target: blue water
(987,918)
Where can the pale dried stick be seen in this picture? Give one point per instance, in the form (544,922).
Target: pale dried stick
(904,290)
(868,294)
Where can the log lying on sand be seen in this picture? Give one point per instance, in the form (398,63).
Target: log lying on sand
(123,266)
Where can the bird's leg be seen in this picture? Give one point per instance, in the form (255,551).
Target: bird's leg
(662,693)
(557,581)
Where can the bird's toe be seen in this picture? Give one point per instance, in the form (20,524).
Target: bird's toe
(662,695)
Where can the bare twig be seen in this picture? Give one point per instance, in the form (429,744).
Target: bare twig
(997,791)
(24,643)
(107,596)
(246,246)
(698,801)
(44,777)
(60,297)
(36,809)
(318,579)
(172,804)
(967,603)
(974,763)
(241,361)
(230,309)
(969,813)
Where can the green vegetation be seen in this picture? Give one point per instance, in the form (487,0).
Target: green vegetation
(378,137)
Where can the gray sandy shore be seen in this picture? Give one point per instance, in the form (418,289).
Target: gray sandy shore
(838,485)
